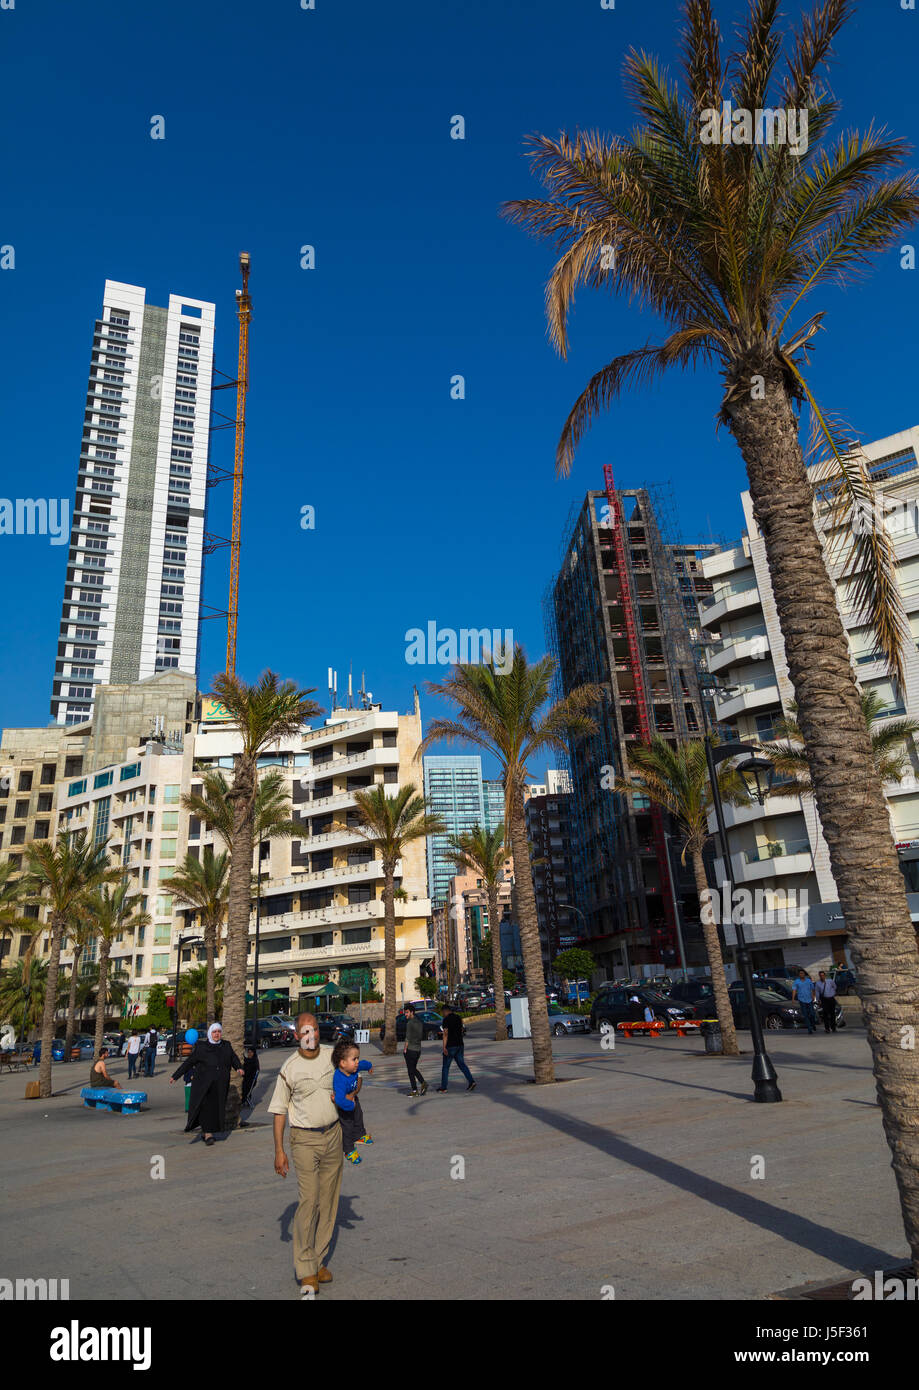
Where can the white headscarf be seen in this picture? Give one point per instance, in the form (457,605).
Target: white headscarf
(210,1032)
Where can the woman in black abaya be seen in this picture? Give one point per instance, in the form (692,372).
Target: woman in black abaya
(210,1064)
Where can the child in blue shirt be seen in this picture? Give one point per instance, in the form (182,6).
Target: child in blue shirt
(346,1084)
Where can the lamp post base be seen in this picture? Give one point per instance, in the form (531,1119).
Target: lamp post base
(765,1081)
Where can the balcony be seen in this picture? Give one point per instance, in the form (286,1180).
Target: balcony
(746,697)
(776,805)
(766,861)
(349,912)
(743,647)
(729,599)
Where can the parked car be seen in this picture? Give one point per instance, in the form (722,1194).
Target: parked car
(777,972)
(270,1034)
(613,1006)
(83,1047)
(775,1010)
(113,1042)
(785,987)
(698,994)
(334,1027)
(182,1048)
(561,1023)
(431,1025)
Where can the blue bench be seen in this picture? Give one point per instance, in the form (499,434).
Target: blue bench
(107,1098)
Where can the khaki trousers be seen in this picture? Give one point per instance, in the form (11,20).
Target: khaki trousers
(318,1161)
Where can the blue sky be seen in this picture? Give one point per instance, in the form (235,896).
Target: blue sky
(331,127)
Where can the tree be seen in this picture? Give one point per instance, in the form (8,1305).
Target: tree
(263,714)
(117,984)
(80,935)
(888,745)
(195,999)
(723,242)
(499,712)
(23,981)
(111,913)
(425,986)
(204,885)
(11,894)
(156,1007)
(676,779)
(60,876)
(389,823)
(483,853)
(574,964)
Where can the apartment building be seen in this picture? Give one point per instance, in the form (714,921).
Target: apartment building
(455,789)
(603,606)
(132,589)
(778,850)
(550,836)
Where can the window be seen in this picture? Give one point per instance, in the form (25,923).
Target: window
(360,893)
(72,768)
(25,782)
(18,835)
(47,774)
(162,932)
(164,905)
(131,770)
(22,810)
(160,964)
(41,829)
(101,819)
(359,934)
(168,850)
(169,820)
(170,793)
(103,779)
(166,872)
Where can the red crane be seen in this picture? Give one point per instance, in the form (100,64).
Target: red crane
(635,661)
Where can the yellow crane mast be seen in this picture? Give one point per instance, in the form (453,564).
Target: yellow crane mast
(244,313)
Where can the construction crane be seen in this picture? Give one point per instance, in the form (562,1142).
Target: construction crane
(244,313)
(636,662)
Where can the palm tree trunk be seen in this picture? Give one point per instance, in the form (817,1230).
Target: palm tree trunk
(72,1003)
(389,959)
(543,1065)
(210,948)
(847,790)
(497,965)
(715,960)
(105,947)
(47,1022)
(239,907)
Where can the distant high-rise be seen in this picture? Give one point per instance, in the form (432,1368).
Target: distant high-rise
(132,593)
(453,789)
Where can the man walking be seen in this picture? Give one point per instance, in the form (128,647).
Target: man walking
(303,1094)
(150,1044)
(803,991)
(453,1049)
(133,1052)
(826,994)
(414,1034)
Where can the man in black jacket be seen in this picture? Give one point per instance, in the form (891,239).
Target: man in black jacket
(414,1036)
(453,1049)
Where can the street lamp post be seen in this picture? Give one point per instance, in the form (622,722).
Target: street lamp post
(182,941)
(258,924)
(765,1077)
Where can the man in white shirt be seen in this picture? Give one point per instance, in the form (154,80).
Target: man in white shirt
(133,1052)
(826,997)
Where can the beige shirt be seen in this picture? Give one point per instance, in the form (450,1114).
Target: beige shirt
(303,1091)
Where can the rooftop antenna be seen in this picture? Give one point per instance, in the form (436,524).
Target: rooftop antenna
(331,692)
(350,700)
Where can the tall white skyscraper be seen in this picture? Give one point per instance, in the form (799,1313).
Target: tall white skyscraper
(132,593)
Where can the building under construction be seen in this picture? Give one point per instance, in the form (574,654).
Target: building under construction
(619,615)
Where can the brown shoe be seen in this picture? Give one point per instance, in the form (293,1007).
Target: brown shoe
(310,1282)
(325,1275)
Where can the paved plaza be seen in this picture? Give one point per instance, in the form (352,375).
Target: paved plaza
(634,1173)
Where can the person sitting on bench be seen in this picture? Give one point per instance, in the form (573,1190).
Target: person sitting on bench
(98,1075)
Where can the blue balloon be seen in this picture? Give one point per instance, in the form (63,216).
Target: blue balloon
(191,1036)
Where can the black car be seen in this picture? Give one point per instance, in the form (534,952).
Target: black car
(613,1006)
(334,1027)
(775,1010)
(431,1025)
(270,1034)
(785,987)
(696,994)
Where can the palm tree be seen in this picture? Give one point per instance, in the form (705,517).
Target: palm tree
(61,876)
(111,913)
(194,998)
(723,241)
(80,935)
(390,823)
(676,779)
(500,713)
(483,853)
(263,714)
(204,885)
(23,981)
(117,984)
(272,821)
(888,745)
(11,892)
